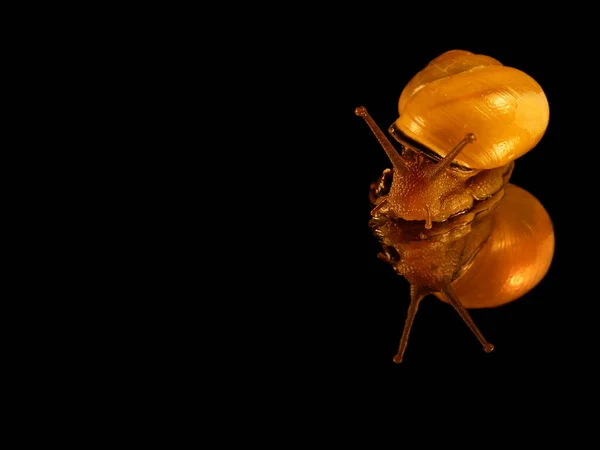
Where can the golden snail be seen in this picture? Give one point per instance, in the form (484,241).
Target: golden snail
(445,215)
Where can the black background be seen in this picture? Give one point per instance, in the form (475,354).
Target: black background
(308,314)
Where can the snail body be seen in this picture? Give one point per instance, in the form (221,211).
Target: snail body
(446,215)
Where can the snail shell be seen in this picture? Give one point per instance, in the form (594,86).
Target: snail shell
(460,92)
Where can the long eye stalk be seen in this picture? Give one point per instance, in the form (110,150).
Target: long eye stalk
(445,163)
(391,152)
(416,295)
(460,309)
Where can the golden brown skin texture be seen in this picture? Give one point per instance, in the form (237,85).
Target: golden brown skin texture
(433,258)
(413,196)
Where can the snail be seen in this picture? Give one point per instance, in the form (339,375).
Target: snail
(446,216)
